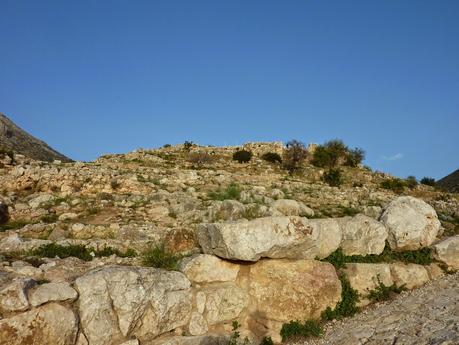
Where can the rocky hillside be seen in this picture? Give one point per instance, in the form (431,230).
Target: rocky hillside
(15,139)
(185,245)
(450,182)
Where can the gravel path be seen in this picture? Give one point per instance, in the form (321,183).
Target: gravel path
(425,316)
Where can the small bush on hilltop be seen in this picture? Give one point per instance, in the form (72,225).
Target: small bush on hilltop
(272,157)
(296,329)
(294,155)
(187,145)
(334,153)
(429,181)
(333,177)
(242,156)
(411,182)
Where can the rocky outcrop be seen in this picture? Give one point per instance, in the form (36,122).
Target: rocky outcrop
(51,324)
(117,302)
(411,222)
(206,268)
(447,251)
(271,237)
(362,235)
(52,292)
(289,207)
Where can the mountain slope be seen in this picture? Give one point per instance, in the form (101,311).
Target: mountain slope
(13,138)
(450,182)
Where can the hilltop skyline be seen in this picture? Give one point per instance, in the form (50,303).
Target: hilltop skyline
(90,79)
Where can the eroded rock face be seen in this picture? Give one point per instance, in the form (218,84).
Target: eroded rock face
(272,237)
(51,324)
(206,268)
(289,207)
(447,251)
(362,235)
(411,222)
(287,290)
(409,275)
(116,302)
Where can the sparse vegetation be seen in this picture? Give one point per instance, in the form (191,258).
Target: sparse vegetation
(394,184)
(200,158)
(333,177)
(232,192)
(411,182)
(348,304)
(421,256)
(52,250)
(428,181)
(160,257)
(383,292)
(187,145)
(298,330)
(294,155)
(272,157)
(14,224)
(242,156)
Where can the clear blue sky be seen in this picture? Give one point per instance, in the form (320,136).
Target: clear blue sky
(95,77)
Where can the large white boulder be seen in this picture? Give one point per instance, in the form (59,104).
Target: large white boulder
(271,237)
(52,292)
(51,324)
(13,295)
(411,222)
(447,251)
(289,207)
(119,301)
(362,235)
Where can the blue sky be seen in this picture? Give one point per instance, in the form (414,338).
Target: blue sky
(95,77)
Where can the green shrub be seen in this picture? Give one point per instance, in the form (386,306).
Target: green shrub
(411,182)
(333,177)
(187,145)
(49,218)
(160,257)
(294,154)
(383,292)
(267,341)
(348,304)
(394,184)
(355,157)
(242,156)
(429,181)
(232,192)
(296,329)
(272,157)
(4,214)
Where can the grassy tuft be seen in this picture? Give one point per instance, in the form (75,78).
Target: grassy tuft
(158,256)
(298,330)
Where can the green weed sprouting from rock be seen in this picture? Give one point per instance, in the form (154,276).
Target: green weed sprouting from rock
(421,256)
(296,329)
(232,192)
(348,304)
(160,257)
(383,292)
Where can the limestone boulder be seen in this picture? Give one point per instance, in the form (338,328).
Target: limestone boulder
(51,324)
(365,277)
(120,301)
(362,235)
(411,223)
(205,268)
(50,292)
(209,339)
(288,207)
(287,290)
(271,237)
(409,275)
(447,251)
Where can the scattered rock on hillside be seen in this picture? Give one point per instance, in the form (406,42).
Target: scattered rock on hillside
(447,251)
(271,237)
(412,223)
